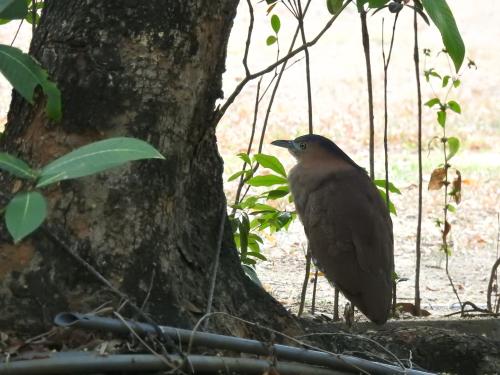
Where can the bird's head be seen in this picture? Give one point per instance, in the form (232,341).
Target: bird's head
(315,148)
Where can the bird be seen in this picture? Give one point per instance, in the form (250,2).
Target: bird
(346,221)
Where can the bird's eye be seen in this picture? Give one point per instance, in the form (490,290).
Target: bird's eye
(302,146)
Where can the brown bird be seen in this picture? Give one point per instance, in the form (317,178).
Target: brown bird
(346,222)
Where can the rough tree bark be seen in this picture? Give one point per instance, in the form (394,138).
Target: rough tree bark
(150,70)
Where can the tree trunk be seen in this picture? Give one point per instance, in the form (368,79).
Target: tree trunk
(150,70)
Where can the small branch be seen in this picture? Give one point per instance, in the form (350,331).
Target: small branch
(493,277)
(249,148)
(418,253)
(222,110)
(366,50)
(216,260)
(249,38)
(386,67)
(308,71)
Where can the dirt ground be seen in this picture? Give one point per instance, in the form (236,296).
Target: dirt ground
(340,112)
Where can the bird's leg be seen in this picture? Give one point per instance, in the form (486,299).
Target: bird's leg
(336,317)
(349,314)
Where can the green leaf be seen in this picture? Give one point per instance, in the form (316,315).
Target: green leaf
(392,188)
(235,176)
(267,180)
(277,193)
(377,3)
(16,166)
(456,83)
(270,162)
(392,208)
(275,23)
(244,156)
(25,74)
(431,103)
(454,106)
(441,118)
(271,39)
(446,79)
(335,5)
(13,9)
(97,157)
(251,274)
(453,146)
(441,15)
(451,208)
(244,229)
(25,213)
(256,254)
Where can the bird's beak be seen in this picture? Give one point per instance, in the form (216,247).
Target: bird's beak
(281,143)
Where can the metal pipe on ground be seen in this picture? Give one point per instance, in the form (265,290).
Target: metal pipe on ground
(88,363)
(281,352)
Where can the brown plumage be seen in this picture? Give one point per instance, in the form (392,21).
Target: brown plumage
(346,222)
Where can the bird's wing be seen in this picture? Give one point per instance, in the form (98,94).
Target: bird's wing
(350,235)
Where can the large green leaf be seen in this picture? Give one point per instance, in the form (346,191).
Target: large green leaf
(271,162)
(25,74)
(16,166)
(13,9)
(441,15)
(267,180)
(24,213)
(97,157)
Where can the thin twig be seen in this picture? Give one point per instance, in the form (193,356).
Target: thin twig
(216,260)
(249,38)
(445,214)
(276,85)
(222,110)
(366,50)
(308,69)
(386,116)
(378,345)
(17,32)
(418,253)
(243,179)
(259,326)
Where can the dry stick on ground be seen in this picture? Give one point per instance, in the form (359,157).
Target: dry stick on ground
(420,178)
(366,49)
(222,110)
(386,117)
